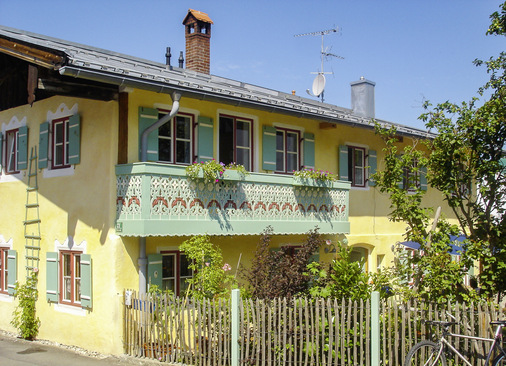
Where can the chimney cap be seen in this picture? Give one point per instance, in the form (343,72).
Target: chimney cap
(363,81)
(199,15)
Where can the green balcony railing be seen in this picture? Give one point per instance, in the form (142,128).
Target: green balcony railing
(159,200)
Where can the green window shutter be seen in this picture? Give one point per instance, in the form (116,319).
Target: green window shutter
(1,149)
(205,143)
(22,148)
(343,162)
(43,144)
(86,288)
(309,150)
(315,257)
(74,139)
(423,178)
(12,275)
(52,276)
(373,165)
(400,184)
(147,117)
(155,270)
(268,148)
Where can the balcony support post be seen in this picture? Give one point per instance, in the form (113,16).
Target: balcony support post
(143,265)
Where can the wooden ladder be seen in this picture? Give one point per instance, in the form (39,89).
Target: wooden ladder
(32,218)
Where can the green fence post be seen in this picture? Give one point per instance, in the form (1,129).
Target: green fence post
(375,328)
(236,297)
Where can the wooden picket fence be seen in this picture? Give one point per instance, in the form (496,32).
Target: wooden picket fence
(287,331)
(403,325)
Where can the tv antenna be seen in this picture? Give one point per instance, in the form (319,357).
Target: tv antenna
(319,81)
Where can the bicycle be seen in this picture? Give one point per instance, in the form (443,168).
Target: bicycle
(429,353)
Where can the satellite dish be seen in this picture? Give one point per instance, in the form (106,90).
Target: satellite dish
(318,84)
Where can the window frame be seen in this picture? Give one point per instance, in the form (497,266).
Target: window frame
(251,147)
(61,277)
(4,270)
(285,132)
(177,279)
(174,139)
(65,143)
(413,172)
(8,155)
(352,166)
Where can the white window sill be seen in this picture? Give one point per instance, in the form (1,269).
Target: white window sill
(4,178)
(53,173)
(6,298)
(69,309)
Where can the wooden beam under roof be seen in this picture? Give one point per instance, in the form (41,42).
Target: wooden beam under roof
(327,125)
(33,55)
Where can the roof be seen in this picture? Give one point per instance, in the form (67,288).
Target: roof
(87,62)
(199,15)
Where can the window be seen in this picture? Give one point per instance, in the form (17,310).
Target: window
(70,267)
(414,178)
(356,166)
(68,278)
(287,150)
(4,270)
(175,272)
(175,140)
(410,178)
(236,141)
(59,142)
(11,152)
(360,255)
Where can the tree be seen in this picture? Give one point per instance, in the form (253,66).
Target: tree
(464,162)
(431,272)
(280,273)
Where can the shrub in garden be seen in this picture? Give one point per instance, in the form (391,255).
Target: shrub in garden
(24,316)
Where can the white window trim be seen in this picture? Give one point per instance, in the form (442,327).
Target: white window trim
(366,163)
(13,124)
(6,244)
(254,130)
(61,112)
(69,245)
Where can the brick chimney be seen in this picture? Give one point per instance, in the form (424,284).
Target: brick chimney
(198,40)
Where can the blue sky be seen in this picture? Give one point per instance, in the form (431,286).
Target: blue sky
(414,50)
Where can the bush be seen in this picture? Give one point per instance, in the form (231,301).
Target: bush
(280,273)
(24,317)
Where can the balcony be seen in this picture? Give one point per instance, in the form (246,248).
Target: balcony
(159,200)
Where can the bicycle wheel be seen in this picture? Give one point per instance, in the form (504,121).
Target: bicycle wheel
(425,353)
(499,361)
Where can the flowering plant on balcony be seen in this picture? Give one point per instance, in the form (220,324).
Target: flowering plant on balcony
(321,175)
(212,170)
(238,167)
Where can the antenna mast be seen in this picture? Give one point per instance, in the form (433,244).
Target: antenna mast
(319,82)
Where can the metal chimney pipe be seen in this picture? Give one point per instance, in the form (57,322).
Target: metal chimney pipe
(167,56)
(181,60)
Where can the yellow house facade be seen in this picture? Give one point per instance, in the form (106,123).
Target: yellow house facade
(98,205)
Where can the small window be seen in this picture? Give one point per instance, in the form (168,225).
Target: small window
(70,275)
(356,166)
(175,272)
(236,141)
(60,143)
(411,178)
(4,270)
(175,140)
(287,150)
(11,151)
